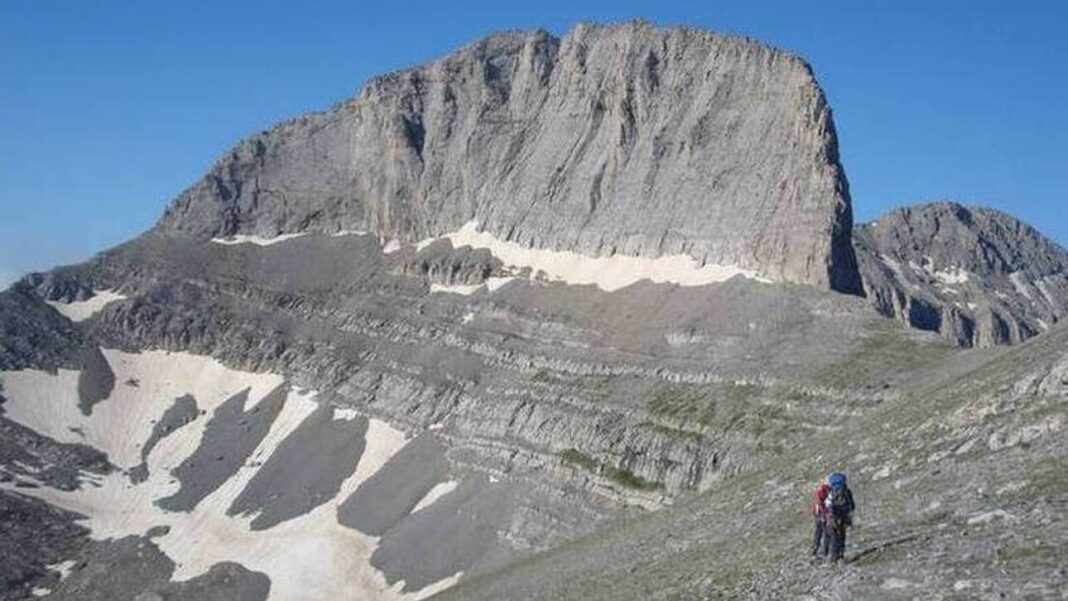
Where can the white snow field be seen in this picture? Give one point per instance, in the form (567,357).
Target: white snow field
(607,273)
(311,556)
(440,490)
(265,241)
(257,240)
(490,285)
(82,310)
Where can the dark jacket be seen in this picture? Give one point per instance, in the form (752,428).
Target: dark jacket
(843,509)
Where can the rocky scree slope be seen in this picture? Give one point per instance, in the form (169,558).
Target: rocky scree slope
(623,139)
(577,404)
(978,276)
(961,492)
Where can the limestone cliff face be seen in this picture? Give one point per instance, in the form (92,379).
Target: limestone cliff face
(612,139)
(978,276)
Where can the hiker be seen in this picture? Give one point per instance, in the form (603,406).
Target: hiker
(819,511)
(838,517)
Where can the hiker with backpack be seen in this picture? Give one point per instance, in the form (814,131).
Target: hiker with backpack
(819,513)
(838,517)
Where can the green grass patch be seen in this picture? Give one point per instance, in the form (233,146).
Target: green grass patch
(577,457)
(887,351)
(675,433)
(701,405)
(620,476)
(629,479)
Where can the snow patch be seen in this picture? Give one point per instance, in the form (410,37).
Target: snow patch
(308,557)
(950,276)
(607,273)
(989,516)
(391,247)
(120,424)
(496,283)
(491,285)
(954,275)
(1043,287)
(1012,487)
(81,310)
(431,589)
(259,240)
(883,473)
(441,489)
(341,413)
(64,568)
(464,289)
(896,584)
(1017,281)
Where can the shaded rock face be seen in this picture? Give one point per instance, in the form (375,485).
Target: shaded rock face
(613,139)
(978,276)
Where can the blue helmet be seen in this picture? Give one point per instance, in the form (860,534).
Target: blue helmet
(837,480)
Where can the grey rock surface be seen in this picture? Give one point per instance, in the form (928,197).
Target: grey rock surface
(183,411)
(612,139)
(35,535)
(95,382)
(555,405)
(459,533)
(230,437)
(305,471)
(586,404)
(134,569)
(978,276)
(34,334)
(38,537)
(390,495)
(28,458)
(960,489)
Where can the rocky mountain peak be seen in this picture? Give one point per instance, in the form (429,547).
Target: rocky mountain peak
(620,139)
(979,276)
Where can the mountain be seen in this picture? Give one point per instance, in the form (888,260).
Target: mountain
(573,318)
(978,276)
(613,140)
(958,479)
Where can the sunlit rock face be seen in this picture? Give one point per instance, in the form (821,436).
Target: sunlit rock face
(624,139)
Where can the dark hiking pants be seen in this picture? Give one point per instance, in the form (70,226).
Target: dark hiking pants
(819,541)
(836,535)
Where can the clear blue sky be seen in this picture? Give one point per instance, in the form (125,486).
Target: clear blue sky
(108,109)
